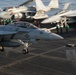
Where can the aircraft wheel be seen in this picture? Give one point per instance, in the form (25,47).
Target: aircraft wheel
(1,48)
(25,51)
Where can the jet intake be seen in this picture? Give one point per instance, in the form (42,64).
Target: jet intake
(17,16)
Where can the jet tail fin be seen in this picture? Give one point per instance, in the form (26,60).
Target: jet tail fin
(66,6)
(40,15)
(53,4)
(39,5)
(1,9)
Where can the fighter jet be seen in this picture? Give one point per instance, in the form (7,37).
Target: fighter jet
(16,12)
(41,8)
(23,33)
(69,14)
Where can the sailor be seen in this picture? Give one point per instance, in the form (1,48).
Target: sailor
(64,21)
(38,24)
(58,27)
(7,21)
(10,21)
(61,28)
(0,22)
(35,22)
(67,28)
(4,21)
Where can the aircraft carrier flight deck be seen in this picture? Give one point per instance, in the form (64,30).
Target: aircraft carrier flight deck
(55,57)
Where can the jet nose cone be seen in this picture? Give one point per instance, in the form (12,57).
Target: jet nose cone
(56,36)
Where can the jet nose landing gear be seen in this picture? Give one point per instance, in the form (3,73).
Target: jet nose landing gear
(25,51)
(25,47)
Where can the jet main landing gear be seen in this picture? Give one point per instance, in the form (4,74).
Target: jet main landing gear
(1,48)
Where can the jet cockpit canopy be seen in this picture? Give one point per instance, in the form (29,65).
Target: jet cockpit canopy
(24,25)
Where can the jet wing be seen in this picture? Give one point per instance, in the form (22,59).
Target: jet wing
(26,3)
(31,11)
(7,32)
(72,15)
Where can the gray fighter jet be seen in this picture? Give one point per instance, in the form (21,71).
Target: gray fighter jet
(23,33)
